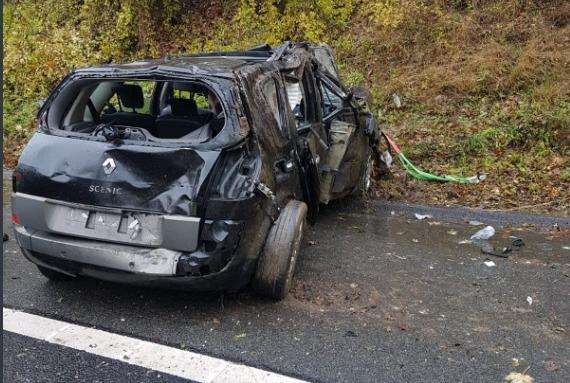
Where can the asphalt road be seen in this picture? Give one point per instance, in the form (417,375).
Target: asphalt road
(378,297)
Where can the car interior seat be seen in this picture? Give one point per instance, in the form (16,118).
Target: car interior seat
(182,120)
(131,97)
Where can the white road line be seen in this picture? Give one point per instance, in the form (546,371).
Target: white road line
(169,360)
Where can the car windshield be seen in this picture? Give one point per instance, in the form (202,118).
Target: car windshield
(140,110)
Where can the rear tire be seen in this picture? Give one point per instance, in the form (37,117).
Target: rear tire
(53,275)
(274,274)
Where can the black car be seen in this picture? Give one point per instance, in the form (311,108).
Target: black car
(195,172)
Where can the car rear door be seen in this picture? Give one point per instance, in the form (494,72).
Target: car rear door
(274,127)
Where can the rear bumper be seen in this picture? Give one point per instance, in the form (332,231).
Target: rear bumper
(107,224)
(127,264)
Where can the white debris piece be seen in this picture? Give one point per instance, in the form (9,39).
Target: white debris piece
(476,223)
(397,100)
(489,263)
(483,234)
(386,157)
(517,377)
(422,216)
(476,179)
(529,300)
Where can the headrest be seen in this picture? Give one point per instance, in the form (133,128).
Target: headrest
(131,96)
(183,86)
(183,107)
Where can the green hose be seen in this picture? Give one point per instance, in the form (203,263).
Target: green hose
(425,176)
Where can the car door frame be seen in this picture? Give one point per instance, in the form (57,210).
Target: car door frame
(349,146)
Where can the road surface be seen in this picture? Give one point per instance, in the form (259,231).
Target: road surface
(379,296)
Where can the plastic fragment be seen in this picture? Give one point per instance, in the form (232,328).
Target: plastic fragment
(397,100)
(489,263)
(476,223)
(516,242)
(386,157)
(452,232)
(517,377)
(422,216)
(483,234)
(529,300)
(240,336)
(350,334)
(487,248)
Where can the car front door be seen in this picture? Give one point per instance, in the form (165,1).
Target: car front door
(348,151)
(312,146)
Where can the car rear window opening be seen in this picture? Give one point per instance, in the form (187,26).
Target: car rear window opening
(147,109)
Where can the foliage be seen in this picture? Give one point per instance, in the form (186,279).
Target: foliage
(484,84)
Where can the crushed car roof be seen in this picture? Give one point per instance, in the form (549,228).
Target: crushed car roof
(215,63)
(220,64)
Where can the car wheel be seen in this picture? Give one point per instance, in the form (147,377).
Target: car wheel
(53,275)
(276,266)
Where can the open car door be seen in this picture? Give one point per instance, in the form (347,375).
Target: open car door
(343,166)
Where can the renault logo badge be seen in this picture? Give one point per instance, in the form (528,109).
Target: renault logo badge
(109,165)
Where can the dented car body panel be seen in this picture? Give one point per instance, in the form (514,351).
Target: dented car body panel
(118,201)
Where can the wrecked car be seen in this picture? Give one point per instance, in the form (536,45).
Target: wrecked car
(192,172)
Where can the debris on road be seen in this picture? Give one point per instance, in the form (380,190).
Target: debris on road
(529,300)
(480,239)
(351,334)
(487,248)
(489,263)
(240,336)
(5,238)
(484,234)
(452,232)
(476,223)
(516,241)
(422,216)
(517,377)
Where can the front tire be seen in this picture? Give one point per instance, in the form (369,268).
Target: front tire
(274,274)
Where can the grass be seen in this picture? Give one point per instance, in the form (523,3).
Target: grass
(484,85)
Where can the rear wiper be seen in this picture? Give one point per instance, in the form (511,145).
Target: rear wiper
(111,132)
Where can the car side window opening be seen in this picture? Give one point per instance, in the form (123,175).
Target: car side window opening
(295,97)
(330,101)
(300,94)
(164,109)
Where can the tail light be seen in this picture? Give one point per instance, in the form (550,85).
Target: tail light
(15,219)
